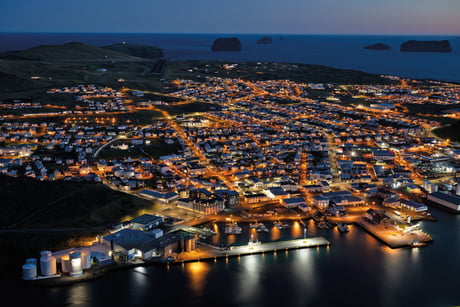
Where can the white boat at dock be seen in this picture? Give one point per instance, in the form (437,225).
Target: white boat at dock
(233,229)
(262,228)
(343,227)
(280,225)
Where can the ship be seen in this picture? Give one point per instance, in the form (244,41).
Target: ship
(280,225)
(233,229)
(343,227)
(417,243)
(262,228)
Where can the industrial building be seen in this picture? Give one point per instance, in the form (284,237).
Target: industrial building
(146,222)
(129,244)
(448,201)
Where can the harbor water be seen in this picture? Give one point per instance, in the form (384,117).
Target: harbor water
(357,270)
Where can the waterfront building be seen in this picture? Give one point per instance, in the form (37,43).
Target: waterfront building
(449,201)
(146,222)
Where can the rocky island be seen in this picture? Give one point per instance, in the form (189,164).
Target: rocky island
(265,40)
(378,46)
(226,44)
(426,46)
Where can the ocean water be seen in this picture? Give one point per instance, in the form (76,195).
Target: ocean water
(340,51)
(357,270)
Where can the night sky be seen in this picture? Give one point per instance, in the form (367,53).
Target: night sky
(237,16)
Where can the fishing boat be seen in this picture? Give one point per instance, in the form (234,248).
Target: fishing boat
(417,243)
(262,228)
(233,229)
(280,225)
(343,227)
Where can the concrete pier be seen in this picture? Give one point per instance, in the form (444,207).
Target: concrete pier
(394,237)
(207,252)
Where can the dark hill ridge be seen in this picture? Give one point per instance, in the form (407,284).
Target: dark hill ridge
(141,51)
(265,40)
(426,46)
(378,46)
(226,44)
(66,52)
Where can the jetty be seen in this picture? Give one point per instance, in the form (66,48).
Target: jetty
(210,252)
(394,237)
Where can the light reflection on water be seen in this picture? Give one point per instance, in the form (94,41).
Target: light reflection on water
(250,269)
(303,268)
(78,295)
(356,261)
(296,230)
(197,273)
(275,234)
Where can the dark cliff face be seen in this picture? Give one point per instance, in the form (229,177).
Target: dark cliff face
(378,46)
(226,44)
(265,40)
(426,46)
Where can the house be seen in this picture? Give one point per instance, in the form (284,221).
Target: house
(414,206)
(163,197)
(313,188)
(294,202)
(383,155)
(252,198)
(392,202)
(146,222)
(378,217)
(320,201)
(336,210)
(276,193)
(232,198)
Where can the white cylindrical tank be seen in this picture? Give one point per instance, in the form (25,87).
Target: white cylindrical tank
(29,271)
(32,261)
(65,264)
(48,265)
(75,264)
(45,254)
(85,260)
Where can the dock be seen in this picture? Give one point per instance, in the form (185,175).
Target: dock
(393,237)
(209,252)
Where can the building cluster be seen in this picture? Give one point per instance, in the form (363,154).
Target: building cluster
(139,239)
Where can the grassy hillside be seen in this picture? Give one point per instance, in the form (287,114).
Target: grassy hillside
(66,52)
(67,65)
(307,73)
(141,51)
(28,203)
(450,132)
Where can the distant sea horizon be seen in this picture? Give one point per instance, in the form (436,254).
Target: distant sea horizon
(334,50)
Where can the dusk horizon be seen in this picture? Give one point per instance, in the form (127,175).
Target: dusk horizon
(230,153)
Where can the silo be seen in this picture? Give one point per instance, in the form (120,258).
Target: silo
(85,260)
(65,264)
(47,265)
(32,261)
(190,244)
(75,264)
(45,254)
(29,271)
